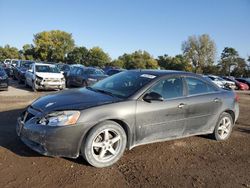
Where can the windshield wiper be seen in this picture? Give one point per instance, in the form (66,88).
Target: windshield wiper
(101,91)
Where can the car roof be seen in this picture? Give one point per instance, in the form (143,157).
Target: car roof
(164,72)
(44,64)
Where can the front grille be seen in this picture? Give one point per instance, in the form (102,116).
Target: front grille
(52,80)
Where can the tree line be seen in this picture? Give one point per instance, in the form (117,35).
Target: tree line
(198,55)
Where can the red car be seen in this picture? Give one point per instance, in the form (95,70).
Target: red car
(239,85)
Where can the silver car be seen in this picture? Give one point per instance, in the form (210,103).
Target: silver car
(126,110)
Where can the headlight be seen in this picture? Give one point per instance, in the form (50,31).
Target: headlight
(60,118)
(39,79)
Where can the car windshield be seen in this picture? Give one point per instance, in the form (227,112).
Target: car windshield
(124,84)
(47,68)
(26,64)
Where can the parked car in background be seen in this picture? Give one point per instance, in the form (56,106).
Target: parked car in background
(219,80)
(72,72)
(20,69)
(44,76)
(84,76)
(215,81)
(4,80)
(239,85)
(244,80)
(64,68)
(8,66)
(111,72)
(126,110)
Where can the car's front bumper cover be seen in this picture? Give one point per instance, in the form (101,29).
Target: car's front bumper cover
(50,141)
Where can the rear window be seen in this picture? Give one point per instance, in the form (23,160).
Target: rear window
(197,86)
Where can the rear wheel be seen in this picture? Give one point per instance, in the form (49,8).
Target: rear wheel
(104,144)
(224,127)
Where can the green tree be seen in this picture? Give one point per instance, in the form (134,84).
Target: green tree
(97,57)
(200,51)
(8,52)
(79,55)
(138,60)
(28,52)
(240,69)
(53,45)
(174,63)
(116,63)
(229,56)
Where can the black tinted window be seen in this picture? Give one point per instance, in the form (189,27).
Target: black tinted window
(169,88)
(197,86)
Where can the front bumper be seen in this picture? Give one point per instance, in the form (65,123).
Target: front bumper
(50,85)
(50,141)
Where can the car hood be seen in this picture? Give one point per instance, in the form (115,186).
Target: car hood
(49,75)
(73,99)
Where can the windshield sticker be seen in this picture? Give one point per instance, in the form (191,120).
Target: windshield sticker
(148,76)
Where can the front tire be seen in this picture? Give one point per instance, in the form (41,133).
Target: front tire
(224,127)
(105,144)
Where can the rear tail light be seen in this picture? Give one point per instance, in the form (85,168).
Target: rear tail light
(236,97)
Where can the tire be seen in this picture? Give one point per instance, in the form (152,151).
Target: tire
(223,128)
(110,142)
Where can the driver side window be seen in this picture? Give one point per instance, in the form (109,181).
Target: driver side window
(169,88)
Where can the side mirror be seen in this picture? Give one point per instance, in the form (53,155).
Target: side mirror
(153,96)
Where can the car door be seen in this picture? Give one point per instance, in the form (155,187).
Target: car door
(156,120)
(29,75)
(203,104)
(78,77)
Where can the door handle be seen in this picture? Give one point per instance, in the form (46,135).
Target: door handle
(216,100)
(181,105)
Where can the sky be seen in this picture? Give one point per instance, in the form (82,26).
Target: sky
(123,26)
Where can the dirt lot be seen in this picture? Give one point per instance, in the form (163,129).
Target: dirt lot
(190,162)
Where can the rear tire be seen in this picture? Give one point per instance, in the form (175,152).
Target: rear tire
(104,145)
(223,129)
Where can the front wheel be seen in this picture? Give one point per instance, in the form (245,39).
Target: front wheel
(104,144)
(224,127)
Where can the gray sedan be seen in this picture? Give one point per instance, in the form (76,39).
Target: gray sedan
(126,110)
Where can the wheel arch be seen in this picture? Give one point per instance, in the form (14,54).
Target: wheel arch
(231,113)
(123,124)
